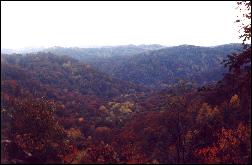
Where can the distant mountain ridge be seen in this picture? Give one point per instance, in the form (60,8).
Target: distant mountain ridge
(103,51)
(164,67)
(155,66)
(66,72)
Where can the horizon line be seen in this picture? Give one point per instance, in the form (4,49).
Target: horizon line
(104,46)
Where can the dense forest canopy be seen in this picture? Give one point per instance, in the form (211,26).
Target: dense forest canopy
(129,104)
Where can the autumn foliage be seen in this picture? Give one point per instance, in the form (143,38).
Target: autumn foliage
(55,109)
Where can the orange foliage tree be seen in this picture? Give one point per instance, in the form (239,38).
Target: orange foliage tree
(34,130)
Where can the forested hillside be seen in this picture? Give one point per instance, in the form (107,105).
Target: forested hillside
(159,68)
(145,104)
(164,67)
(80,114)
(88,54)
(65,72)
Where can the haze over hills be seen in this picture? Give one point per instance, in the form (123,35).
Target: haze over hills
(22,50)
(126,82)
(88,51)
(58,71)
(155,66)
(165,66)
(110,98)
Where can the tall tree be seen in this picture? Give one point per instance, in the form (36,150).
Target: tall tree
(240,61)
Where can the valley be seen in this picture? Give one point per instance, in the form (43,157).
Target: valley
(126,104)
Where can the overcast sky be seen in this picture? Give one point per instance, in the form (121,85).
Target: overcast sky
(84,24)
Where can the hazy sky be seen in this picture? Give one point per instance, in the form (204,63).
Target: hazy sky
(44,24)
